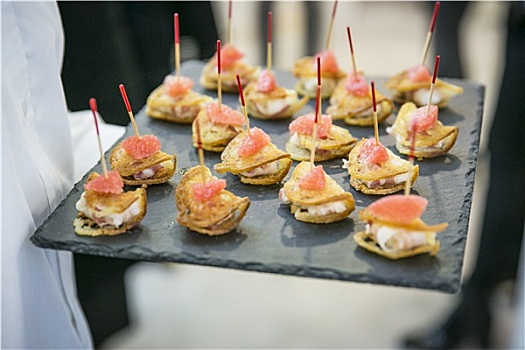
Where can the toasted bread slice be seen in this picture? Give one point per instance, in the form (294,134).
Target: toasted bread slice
(220,215)
(357,110)
(367,242)
(430,143)
(336,145)
(182,109)
(302,200)
(127,166)
(379,179)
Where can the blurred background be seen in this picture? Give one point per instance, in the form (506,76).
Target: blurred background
(184,306)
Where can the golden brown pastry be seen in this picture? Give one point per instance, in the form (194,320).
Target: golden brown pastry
(413,85)
(305,70)
(332,140)
(432,137)
(352,101)
(374,169)
(232,63)
(139,161)
(395,230)
(255,159)
(315,197)
(205,206)
(175,101)
(104,209)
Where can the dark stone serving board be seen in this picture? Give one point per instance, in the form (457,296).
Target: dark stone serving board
(269,239)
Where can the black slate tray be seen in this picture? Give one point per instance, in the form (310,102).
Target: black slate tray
(269,239)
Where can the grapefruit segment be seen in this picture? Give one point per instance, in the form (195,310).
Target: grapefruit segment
(112,183)
(203,192)
(398,208)
(421,121)
(371,152)
(313,180)
(225,115)
(328,61)
(142,147)
(356,86)
(419,74)
(266,81)
(253,143)
(176,86)
(229,55)
(305,125)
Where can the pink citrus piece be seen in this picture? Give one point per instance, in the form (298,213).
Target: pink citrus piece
(229,55)
(266,81)
(253,143)
(112,183)
(328,62)
(421,121)
(176,86)
(419,74)
(372,152)
(140,148)
(398,208)
(356,86)
(225,115)
(203,192)
(314,180)
(305,125)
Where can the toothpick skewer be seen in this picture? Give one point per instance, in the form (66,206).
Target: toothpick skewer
(352,51)
(269,43)
(177,43)
(429,34)
(317,113)
(219,78)
(199,149)
(128,108)
(436,65)
(93,106)
(243,104)
(374,112)
(329,38)
(230,31)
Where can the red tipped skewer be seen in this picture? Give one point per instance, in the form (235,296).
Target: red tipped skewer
(269,43)
(230,31)
(128,108)
(177,43)
(436,65)
(429,34)
(93,106)
(374,112)
(199,149)
(317,113)
(219,78)
(352,51)
(243,104)
(332,19)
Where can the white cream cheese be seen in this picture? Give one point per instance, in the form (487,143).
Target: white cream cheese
(116,219)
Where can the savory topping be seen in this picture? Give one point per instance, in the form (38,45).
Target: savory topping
(419,74)
(266,169)
(326,209)
(392,239)
(203,192)
(356,85)
(328,61)
(224,115)
(253,142)
(313,180)
(102,218)
(305,125)
(176,86)
(372,152)
(110,183)
(398,209)
(141,147)
(229,55)
(265,81)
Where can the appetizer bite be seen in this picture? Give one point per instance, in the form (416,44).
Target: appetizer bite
(105,209)
(395,230)
(332,141)
(255,159)
(374,169)
(175,101)
(305,71)
(139,160)
(413,85)
(314,196)
(219,125)
(352,98)
(433,139)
